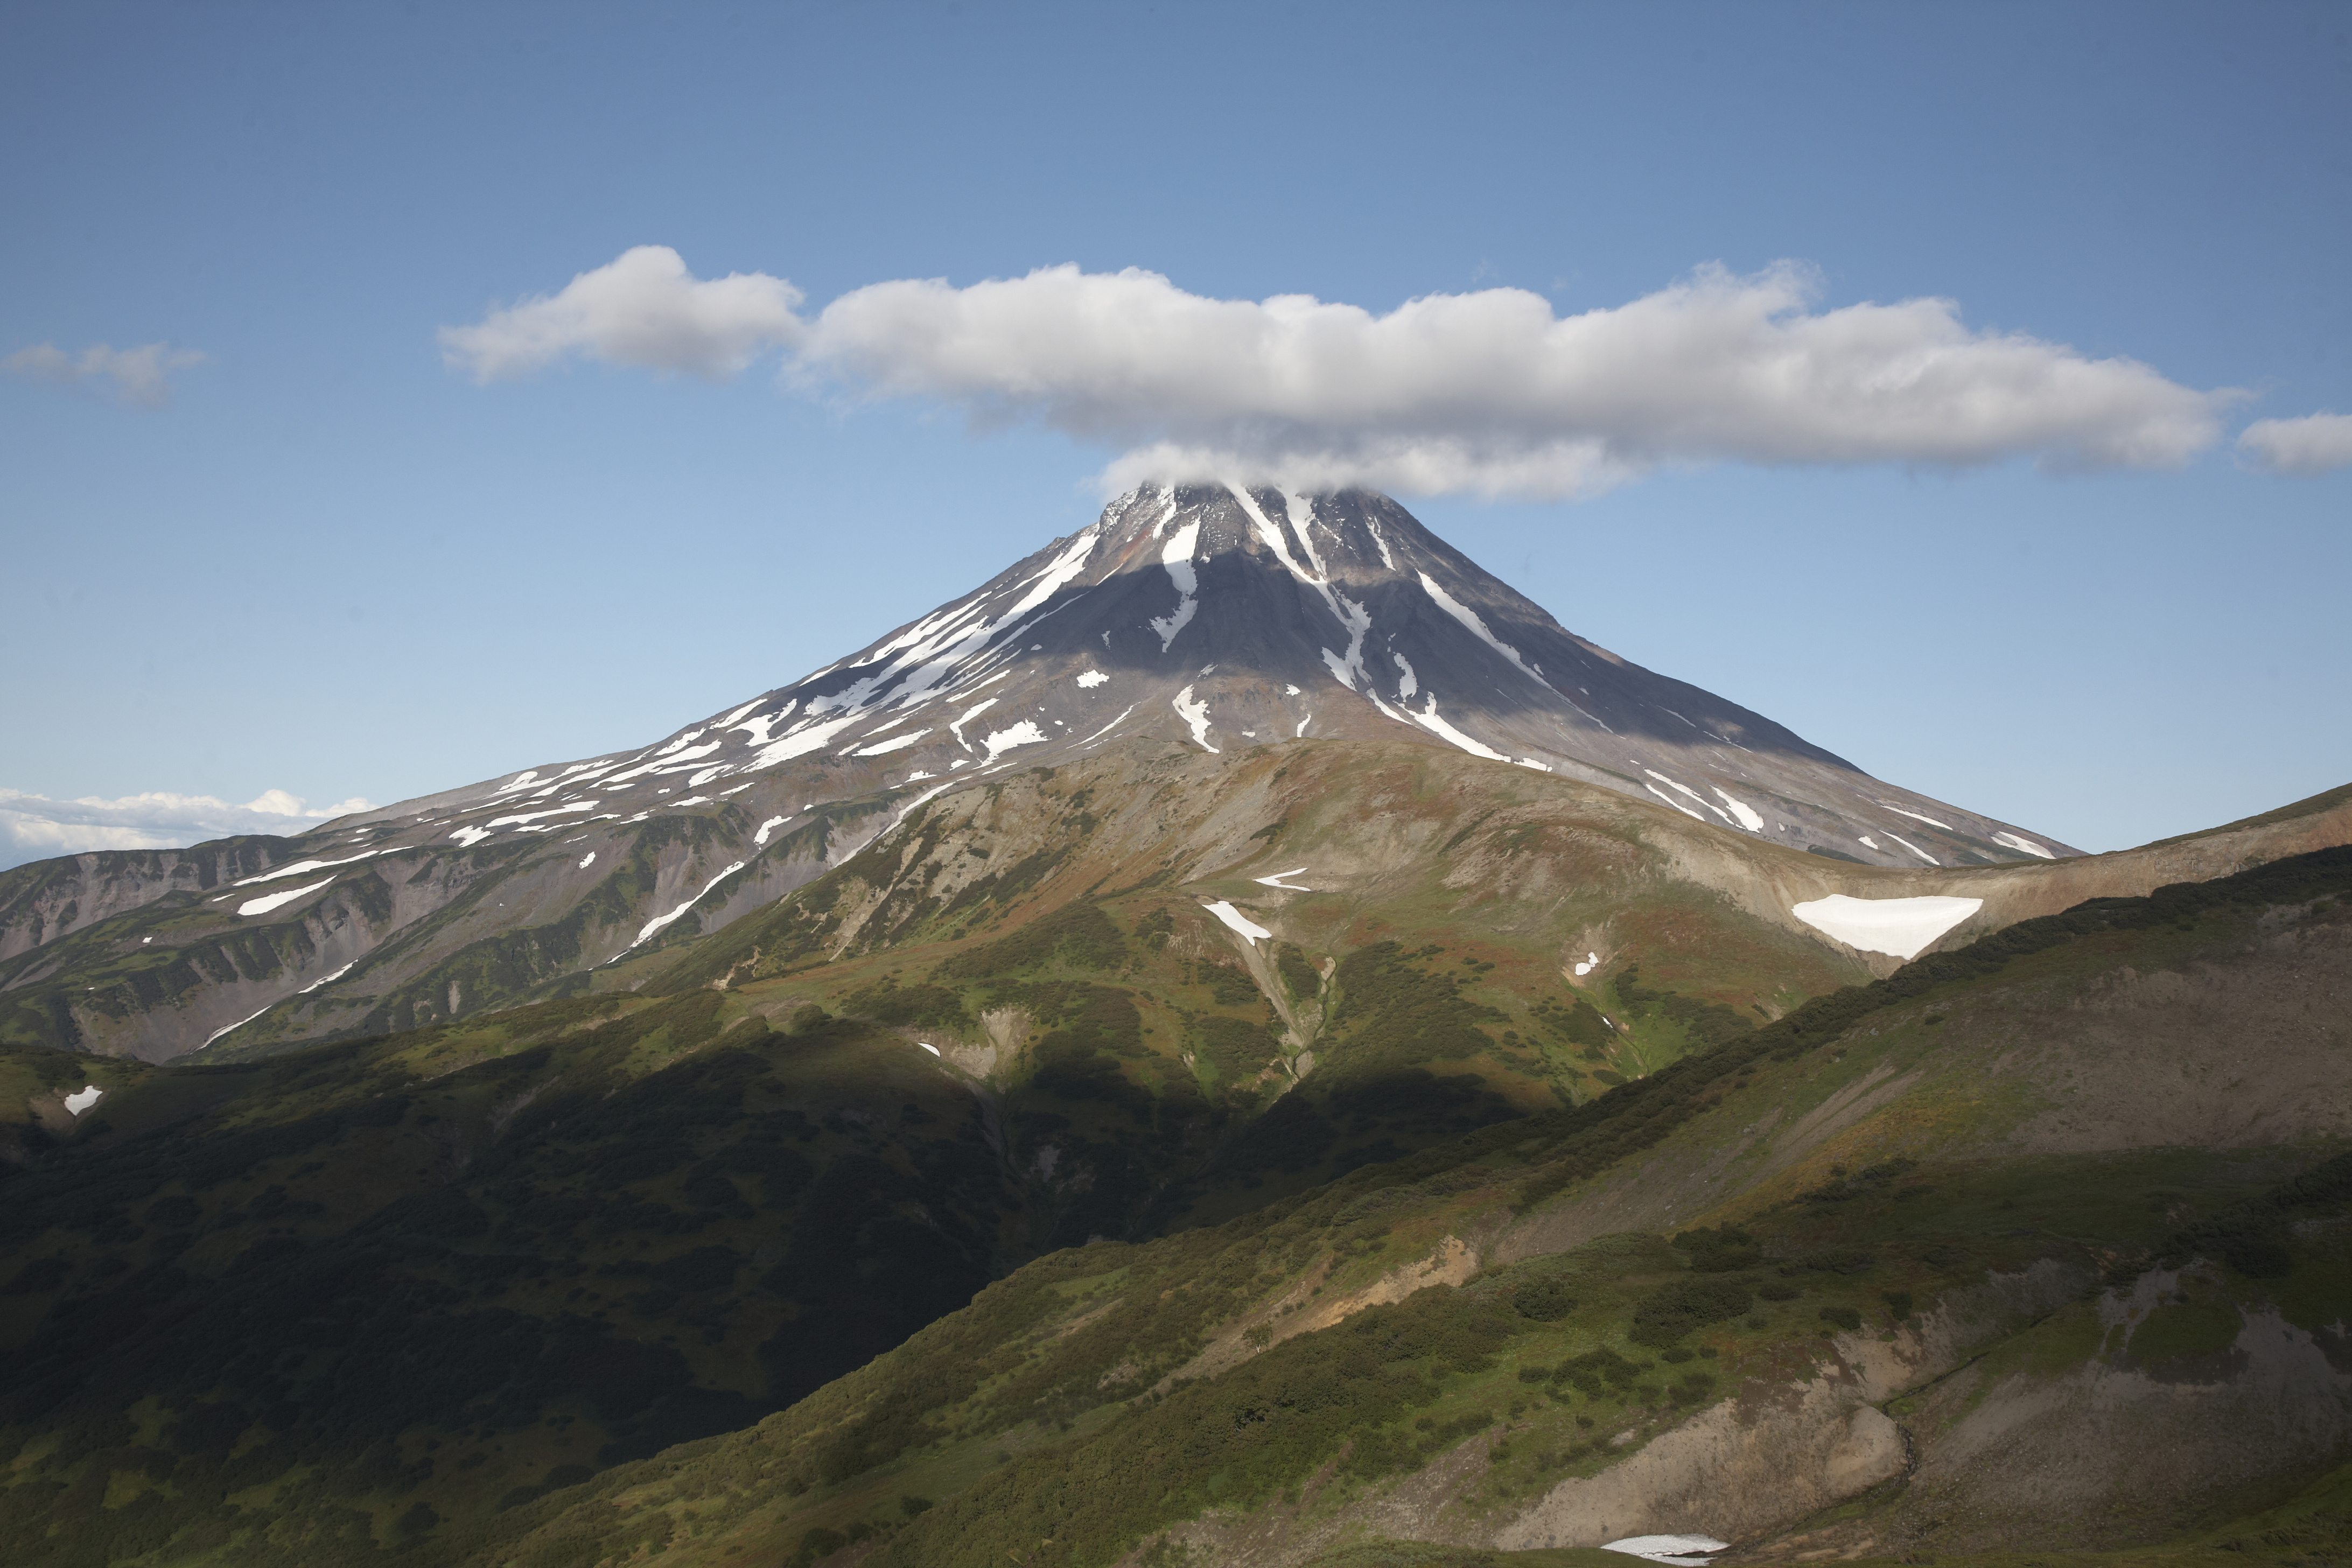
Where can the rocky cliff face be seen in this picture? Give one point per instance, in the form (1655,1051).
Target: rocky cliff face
(1213,618)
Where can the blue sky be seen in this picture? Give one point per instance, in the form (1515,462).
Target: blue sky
(334,566)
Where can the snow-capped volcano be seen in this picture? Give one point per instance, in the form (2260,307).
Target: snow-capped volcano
(1214,618)
(1225,618)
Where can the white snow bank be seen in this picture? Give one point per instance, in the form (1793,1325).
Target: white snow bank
(1688,791)
(1249,928)
(930,652)
(263,905)
(1428,719)
(1177,556)
(669,759)
(1670,800)
(765,828)
(588,860)
(1917,817)
(974,711)
(240,1023)
(1196,715)
(1094,677)
(757,728)
(1105,730)
(1278,881)
(1749,819)
(1025,733)
(1681,1551)
(1353,618)
(896,742)
(1476,627)
(299,866)
(328,979)
(799,742)
(658,921)
(1914,848)
(2027,845)
(82,1098)
(929,1047)
(1899,926)
(1592,962)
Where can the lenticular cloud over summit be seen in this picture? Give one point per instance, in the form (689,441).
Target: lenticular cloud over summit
(1489,391)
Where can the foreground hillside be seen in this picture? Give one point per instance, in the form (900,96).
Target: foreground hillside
(1905,1268)
(454,1267)
(1913,1270)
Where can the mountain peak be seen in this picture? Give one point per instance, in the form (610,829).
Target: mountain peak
(1215,618)
(1225,615)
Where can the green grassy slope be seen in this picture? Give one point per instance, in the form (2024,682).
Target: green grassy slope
(388,1290)
(1056,1420)
(445,1293)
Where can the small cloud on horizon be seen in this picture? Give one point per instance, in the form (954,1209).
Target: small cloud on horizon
(1485,392)
(2315,444)
(137,376)
(35,828)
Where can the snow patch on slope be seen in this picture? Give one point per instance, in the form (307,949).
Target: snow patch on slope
(1250,931)
(1196,715)
(1025,733)
(1469,619)
(1915,849)
(299,866)
(263,905)
(1106,729)
(1675,1551)
(658,921)
(2026,845)
(1748,816)
(1177,557)
(894,743)
(1428,719)
(1670,800)
(1901,927)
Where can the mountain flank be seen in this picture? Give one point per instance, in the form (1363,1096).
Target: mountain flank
(1879,1279)
(1240,1042)
(1212,618)
(1826,1282)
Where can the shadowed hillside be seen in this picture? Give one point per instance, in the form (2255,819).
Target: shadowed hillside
(1384,1222)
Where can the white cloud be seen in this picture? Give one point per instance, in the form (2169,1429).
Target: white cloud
(1485,392)
(137,376)
(643,309)
(2315,444)
(34,827)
